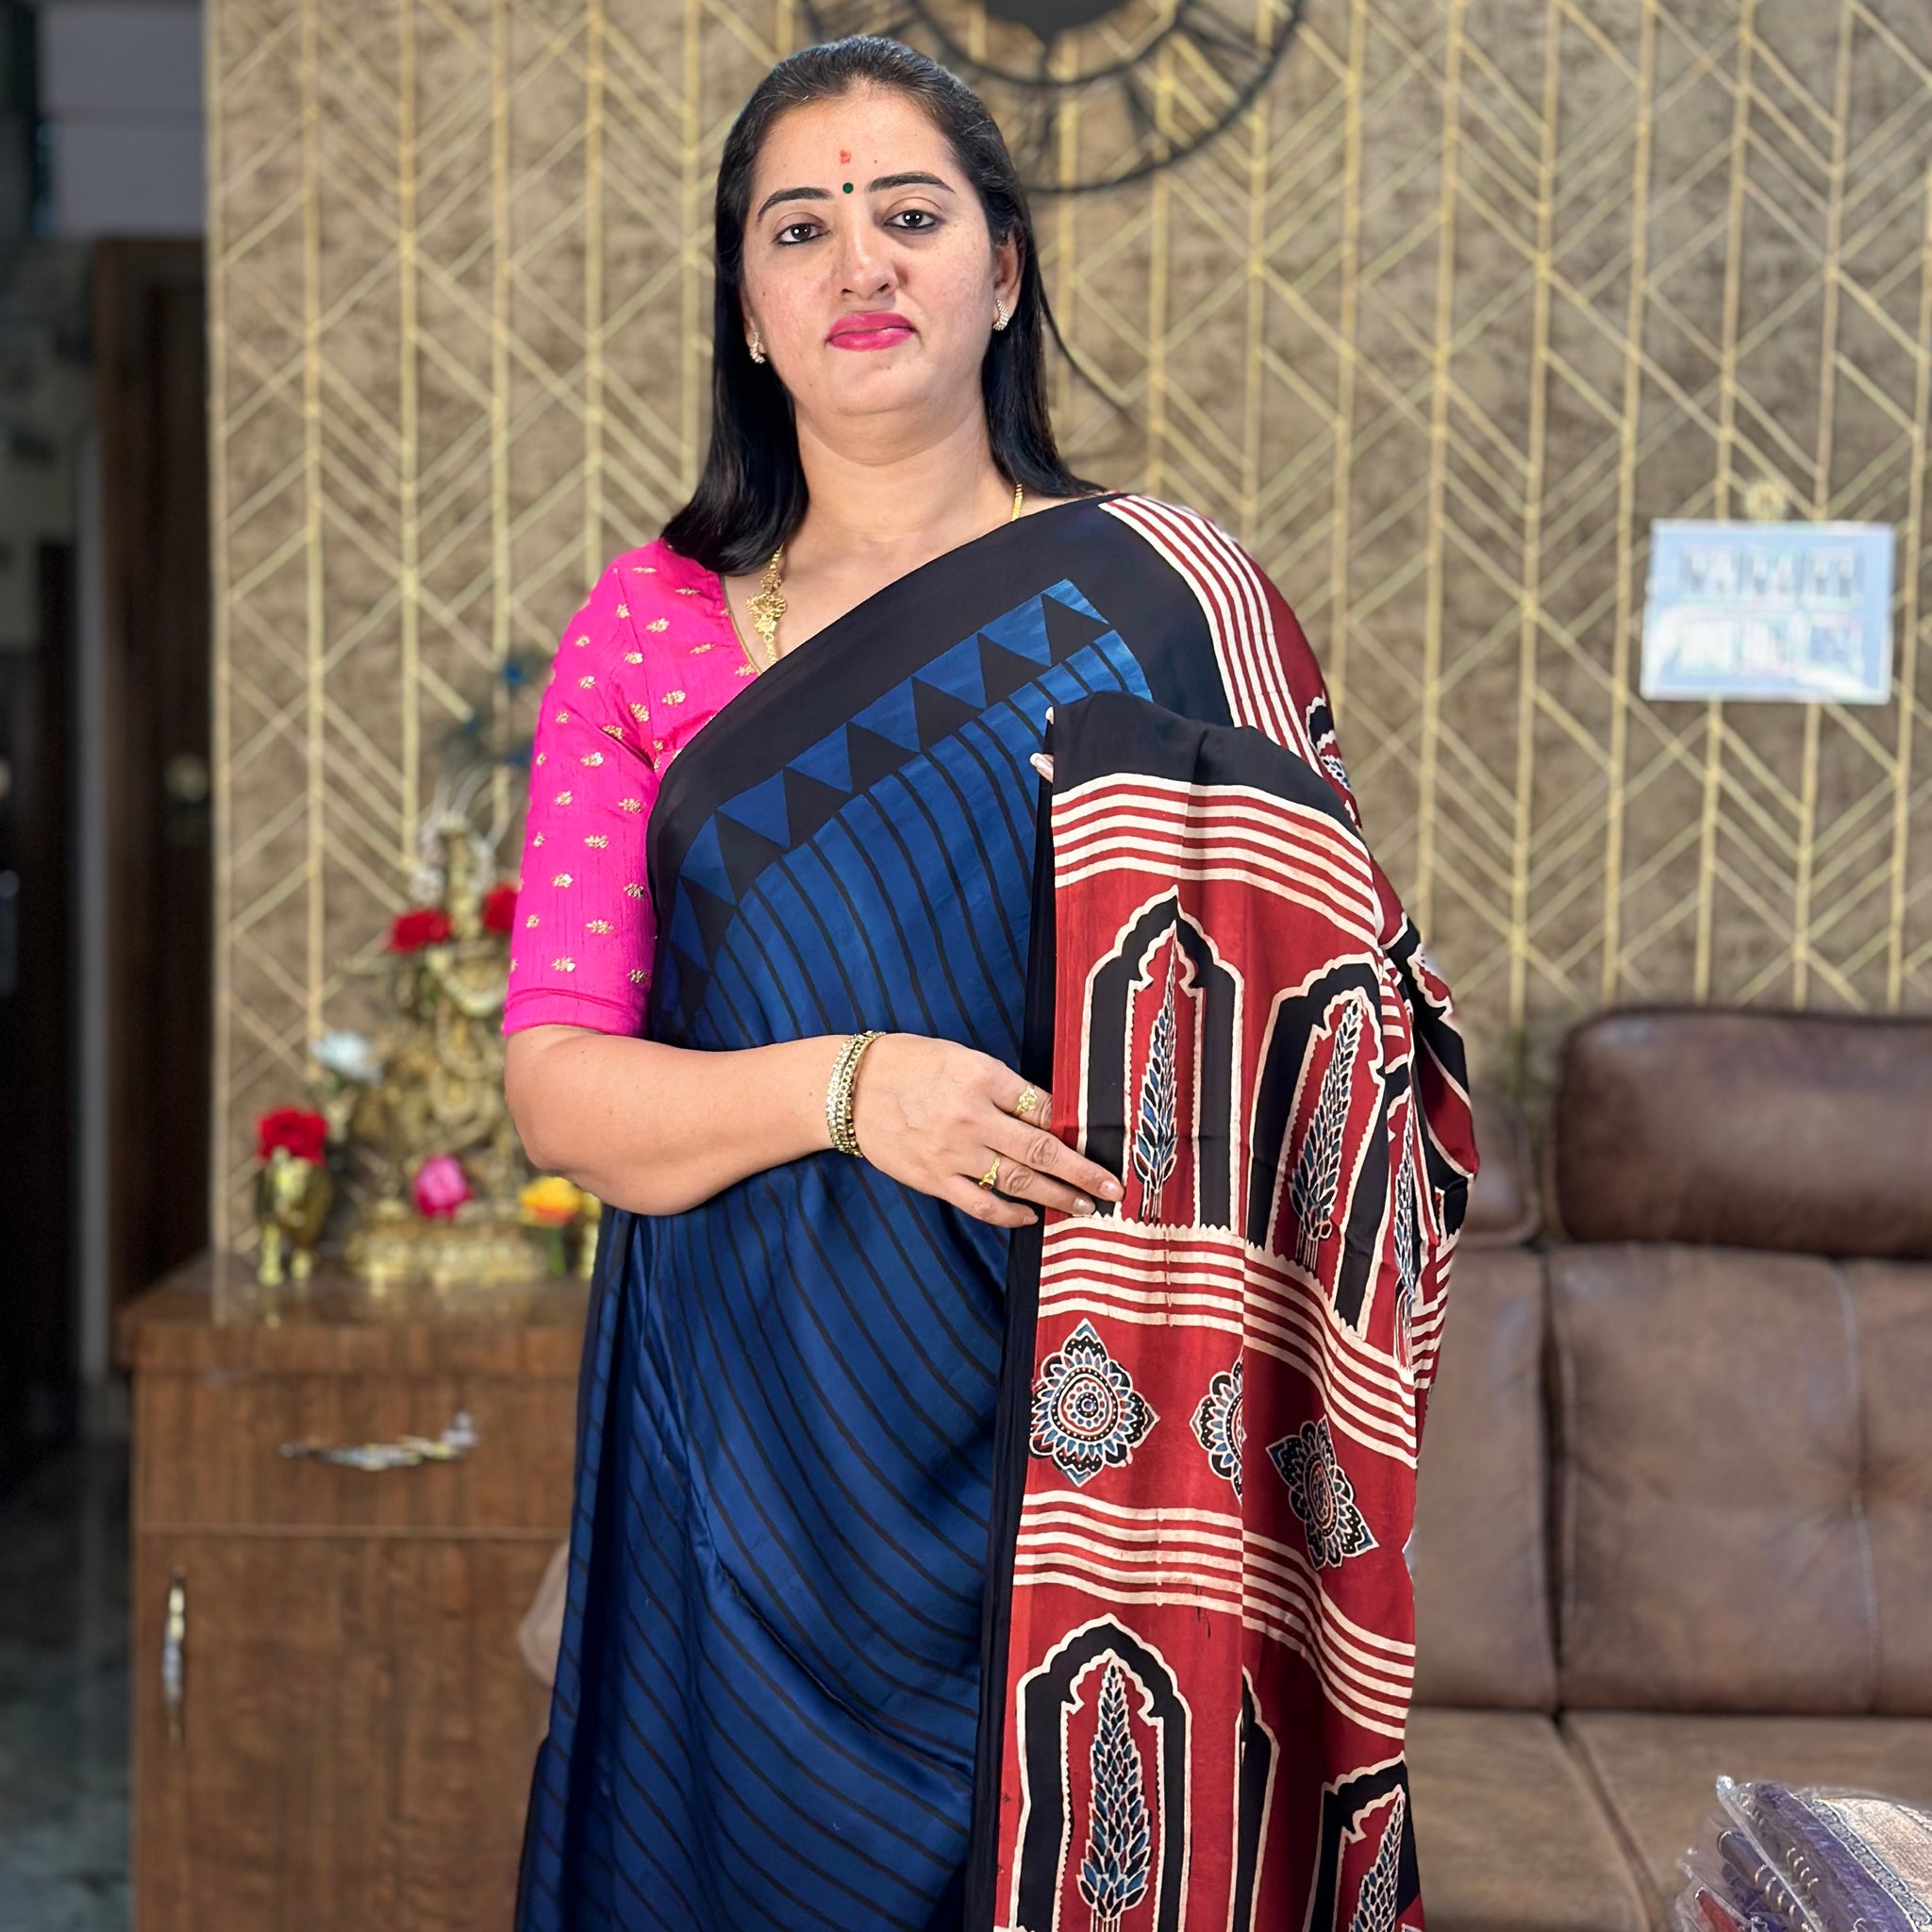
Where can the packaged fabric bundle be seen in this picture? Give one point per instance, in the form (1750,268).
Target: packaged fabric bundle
(1775,1858)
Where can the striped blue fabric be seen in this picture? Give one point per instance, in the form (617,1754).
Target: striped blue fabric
(767,1695)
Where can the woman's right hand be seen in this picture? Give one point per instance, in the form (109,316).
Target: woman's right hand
(936,1115)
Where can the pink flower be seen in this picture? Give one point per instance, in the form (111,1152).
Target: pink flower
(442,1187)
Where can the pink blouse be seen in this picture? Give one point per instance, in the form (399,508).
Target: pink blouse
(649,658)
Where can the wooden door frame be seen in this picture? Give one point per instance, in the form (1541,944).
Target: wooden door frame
(156,614)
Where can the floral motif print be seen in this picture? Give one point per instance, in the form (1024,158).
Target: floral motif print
(1321,1495)
(1086,1414)
(614,658)
(1218,1426)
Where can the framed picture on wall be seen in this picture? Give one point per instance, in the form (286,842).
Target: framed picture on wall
(1794,611)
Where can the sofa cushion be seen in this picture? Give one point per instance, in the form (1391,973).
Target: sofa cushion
(1742,1478)
(1502,1210)
(1508,1835)
(1804,1132)
(1656,1772)
(1480,1552)
(1891,1308)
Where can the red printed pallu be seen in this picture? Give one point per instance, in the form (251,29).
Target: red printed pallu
(1200,1660)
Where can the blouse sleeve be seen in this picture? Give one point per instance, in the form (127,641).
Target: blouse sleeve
(581,952)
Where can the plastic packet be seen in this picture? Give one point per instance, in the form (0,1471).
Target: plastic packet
(1776,1857)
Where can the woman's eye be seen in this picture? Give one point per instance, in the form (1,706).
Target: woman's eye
(795,232)
(916,220)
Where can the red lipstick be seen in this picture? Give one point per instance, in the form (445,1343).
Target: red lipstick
(877,330)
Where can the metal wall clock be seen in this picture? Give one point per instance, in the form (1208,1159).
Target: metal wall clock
(1090,93)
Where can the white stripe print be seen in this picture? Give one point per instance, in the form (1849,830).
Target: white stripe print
(1234,600)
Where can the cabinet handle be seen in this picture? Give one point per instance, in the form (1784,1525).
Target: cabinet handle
(174,1642)
(404,1453)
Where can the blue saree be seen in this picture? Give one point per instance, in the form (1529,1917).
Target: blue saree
(766,1706)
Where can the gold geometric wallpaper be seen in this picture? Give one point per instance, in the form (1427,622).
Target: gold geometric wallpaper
(1472,293)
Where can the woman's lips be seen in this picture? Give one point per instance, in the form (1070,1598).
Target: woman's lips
(879,331)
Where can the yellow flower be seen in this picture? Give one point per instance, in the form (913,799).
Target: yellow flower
(550,1201)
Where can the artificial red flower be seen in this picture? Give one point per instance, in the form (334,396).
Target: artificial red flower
(499,909)
(419,926)
(304,1134)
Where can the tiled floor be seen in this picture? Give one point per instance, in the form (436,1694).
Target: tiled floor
(64,1695)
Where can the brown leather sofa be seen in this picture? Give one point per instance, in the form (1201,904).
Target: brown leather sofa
(1675,1516)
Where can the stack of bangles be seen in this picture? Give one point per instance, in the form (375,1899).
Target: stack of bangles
(839,1103)
(838,1094)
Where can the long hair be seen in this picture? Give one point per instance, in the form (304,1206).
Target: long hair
(751,495)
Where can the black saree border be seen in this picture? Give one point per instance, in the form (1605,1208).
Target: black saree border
(1013,1405)
(856,657)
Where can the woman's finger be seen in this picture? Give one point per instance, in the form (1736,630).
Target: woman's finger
(1033,1107)
(984,1205)
(1028,1184)
(1028,1103)
(1043,1151)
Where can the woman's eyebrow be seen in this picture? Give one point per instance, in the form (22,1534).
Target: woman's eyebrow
(793,194)
(913,178)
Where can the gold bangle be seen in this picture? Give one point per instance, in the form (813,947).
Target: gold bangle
(838,1094)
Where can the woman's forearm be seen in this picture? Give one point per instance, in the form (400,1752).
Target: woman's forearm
(657,1128)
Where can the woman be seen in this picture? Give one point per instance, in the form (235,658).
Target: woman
(785,881)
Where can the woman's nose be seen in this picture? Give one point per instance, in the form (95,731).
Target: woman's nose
(863,269)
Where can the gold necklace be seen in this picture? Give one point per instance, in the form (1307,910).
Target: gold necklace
(767,602)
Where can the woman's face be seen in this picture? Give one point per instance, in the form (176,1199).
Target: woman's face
(869,271)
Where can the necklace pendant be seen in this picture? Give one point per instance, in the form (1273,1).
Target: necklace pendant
(767,606)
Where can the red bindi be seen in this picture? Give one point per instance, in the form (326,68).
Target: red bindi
(844,156)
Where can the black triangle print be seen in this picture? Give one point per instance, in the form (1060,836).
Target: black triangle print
(714,915)
(940,713)
(692,980)
(1069,630)
(1004,671)
(873,758)
(808,804)
(747,853)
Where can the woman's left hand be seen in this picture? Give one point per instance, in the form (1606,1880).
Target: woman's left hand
(961,1126)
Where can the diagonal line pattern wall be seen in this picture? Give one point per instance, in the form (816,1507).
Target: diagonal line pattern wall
(1475,289)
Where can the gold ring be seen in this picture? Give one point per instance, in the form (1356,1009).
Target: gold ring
(990,1178)
(1025,1104)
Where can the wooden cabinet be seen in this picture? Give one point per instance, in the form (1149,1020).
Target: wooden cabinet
(352,1740)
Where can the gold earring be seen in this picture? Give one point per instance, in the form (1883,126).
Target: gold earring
(999,313)
(757,344)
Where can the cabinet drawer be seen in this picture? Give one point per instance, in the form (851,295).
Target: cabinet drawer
(209,1453)
(346,1736)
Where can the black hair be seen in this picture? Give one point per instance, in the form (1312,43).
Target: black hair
(751,495)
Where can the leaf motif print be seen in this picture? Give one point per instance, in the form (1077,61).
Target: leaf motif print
(1113,1874)
(1375,1908)
(1155,1141)
(1318,1167)
(1407,1271)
